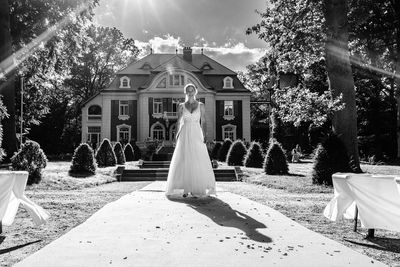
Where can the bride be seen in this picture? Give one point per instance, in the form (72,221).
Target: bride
(190,170)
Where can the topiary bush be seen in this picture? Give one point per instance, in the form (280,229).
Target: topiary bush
(32,159)
(254,156)
(330,157)
(105,155)
(83,162)
(119,153)
(223,151)
(128,151)
(215,150)
(137,153)
(275,161)
(236,154)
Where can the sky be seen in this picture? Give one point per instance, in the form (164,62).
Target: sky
(218,26)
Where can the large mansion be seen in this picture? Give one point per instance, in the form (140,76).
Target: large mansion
(141,103)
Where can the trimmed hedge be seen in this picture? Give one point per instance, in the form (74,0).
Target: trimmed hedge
(255,156)
(83,161)
(236,154)
(119,153)
(215,150)
(105,155)
(223,151)
(275,161)
(137,153)
(32,159)
(128,151)
(330,157)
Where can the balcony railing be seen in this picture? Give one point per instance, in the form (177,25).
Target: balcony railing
(170,115)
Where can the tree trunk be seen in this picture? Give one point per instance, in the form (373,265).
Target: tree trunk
(7,88)
(340,75)
(396,8)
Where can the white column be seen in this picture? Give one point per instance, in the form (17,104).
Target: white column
(106,118)
(144,117)
(246,118)
(84,124)
(210,116)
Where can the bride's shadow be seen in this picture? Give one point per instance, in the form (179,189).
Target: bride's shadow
(222,213)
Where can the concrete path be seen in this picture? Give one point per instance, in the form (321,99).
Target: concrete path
(146,229)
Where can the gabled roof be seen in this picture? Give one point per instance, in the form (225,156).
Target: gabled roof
(157,61)
(176,62)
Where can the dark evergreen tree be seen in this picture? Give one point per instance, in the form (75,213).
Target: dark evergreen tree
(330,157)
(275,160)
(236,154)
(137,153)
(223,151)
(128,151)
(83,162)
(32,159)
(119,153)
(255,156)
(105,155)
(215,150)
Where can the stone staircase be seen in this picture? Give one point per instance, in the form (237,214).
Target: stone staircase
(158,171)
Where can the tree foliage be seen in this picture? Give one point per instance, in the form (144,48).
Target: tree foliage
(255,156)
(83,162)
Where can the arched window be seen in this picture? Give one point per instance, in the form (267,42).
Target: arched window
(125,82)
(94,112)
(157,131)
(123,133)
(162,83)
(228,82)
(229,131)
(146,66)
(206,66)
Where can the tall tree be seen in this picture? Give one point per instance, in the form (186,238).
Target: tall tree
(340,74)
(7,80)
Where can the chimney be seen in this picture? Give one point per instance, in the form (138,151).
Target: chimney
(187,53)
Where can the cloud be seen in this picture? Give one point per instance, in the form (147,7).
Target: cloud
(235,56)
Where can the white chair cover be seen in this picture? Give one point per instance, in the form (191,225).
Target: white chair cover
(12,187)
(377,198)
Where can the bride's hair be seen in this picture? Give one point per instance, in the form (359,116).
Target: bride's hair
(186,87)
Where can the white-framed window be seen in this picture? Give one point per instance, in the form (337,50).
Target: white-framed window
(123,110)
(228,108)
(157,131)
(176,80)
(93,136)
(228,82)
(157,106)
(125,82)
(229,131)
(94,112)
(123,133)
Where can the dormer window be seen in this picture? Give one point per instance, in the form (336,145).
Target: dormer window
(228,82)
(146,66)
(125,82)
(206,66)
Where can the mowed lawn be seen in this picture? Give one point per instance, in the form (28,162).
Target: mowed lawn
(295,196)
(71,201)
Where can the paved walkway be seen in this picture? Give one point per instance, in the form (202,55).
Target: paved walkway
(145,229)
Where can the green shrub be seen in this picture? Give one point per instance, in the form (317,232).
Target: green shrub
(275,161)
(330,157)
(215,150)
(255,156)
(223,151)
(137,153)
(276,127)
(119,153)
(105,155)
(236,154)
(32,159)
(128,151)
(83,162)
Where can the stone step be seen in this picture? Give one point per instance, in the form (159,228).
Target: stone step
(160,174)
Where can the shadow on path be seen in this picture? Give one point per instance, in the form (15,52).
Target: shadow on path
(221,213)
(380,243)
(6,250)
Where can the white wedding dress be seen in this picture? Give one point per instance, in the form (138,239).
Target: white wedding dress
(190,170)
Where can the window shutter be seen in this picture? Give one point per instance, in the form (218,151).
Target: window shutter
(169,104)
(221,107)
(236,108)
(150,105)
(115,108)
(164,105)
(130,108)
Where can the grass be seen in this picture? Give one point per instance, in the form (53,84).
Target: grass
(296,197)
(70,201)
